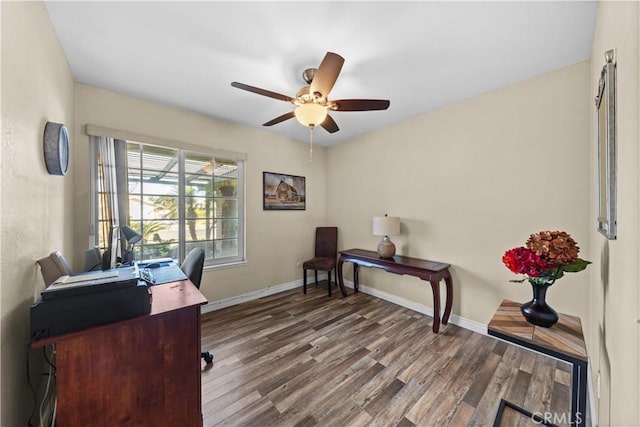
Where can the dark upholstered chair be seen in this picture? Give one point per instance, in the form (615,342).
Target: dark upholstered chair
(325,257)
(192,267)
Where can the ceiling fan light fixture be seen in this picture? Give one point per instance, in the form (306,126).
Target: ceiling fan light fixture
(311,104)
(310,115)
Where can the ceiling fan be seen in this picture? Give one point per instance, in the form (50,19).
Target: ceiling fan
(312,103)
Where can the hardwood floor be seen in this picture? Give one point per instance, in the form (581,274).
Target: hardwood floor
(302,360)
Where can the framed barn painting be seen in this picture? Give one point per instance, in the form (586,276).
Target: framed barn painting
(281,192)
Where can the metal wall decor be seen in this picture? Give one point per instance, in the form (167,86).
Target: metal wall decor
(55,144)
(606,109)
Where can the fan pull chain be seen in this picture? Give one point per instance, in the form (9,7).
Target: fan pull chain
(311,143)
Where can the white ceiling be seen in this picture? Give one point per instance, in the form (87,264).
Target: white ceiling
(420,55)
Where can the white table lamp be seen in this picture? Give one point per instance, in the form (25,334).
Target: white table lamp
(386,226)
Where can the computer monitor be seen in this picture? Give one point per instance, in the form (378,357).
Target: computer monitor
(110,256)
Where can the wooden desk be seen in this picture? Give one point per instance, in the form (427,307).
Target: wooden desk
(143,371)
(431,271)
(564,341)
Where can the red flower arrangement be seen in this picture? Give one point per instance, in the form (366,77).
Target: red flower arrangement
(546,257)
(525,261)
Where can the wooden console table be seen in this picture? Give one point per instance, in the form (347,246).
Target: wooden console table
(564,341)
(143,371)
(431,271)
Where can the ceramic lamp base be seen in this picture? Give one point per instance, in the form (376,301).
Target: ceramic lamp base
(386,248)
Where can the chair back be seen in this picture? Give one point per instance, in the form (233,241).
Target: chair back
(92,259)
(326,242)
(193,264)
(53,267)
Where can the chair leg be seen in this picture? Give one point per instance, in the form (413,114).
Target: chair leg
(335,275)
(316,271)
(329,284)
(304,280)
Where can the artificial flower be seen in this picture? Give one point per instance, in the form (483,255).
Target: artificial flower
(546,257)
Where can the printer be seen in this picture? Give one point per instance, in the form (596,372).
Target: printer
(73,303)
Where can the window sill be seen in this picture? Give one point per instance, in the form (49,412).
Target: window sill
(222,266)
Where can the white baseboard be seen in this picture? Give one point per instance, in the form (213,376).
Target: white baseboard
(471,325)
(403,302)
(228,302)
(260,293)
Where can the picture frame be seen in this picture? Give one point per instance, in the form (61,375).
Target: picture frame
(606,146)
(283,192)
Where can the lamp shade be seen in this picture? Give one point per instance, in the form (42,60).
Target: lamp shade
(131,236)
(386,226)
(310,115)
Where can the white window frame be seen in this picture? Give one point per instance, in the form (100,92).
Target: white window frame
(182,149)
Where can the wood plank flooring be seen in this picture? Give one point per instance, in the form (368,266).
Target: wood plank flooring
(304,360)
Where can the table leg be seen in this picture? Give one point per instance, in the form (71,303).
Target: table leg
(579,394)
(356,276)
(435,287)
(340,279)
(449,303)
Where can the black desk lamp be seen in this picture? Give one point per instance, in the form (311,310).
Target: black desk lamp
(132,237)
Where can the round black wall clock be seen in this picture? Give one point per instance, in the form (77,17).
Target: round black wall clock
(56,148)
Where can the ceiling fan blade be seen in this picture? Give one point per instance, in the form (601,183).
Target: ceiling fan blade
(330,125)
(361,104)
(326,75)
(282,118)
(263,92)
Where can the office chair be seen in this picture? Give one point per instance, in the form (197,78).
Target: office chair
(92,259)
(53,267)
(325,257)
(192,267)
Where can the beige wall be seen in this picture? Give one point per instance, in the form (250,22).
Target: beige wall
(277,241)
(614,295)
(470,181)
(37,208)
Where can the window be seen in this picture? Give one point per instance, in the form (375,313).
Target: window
(177,200)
